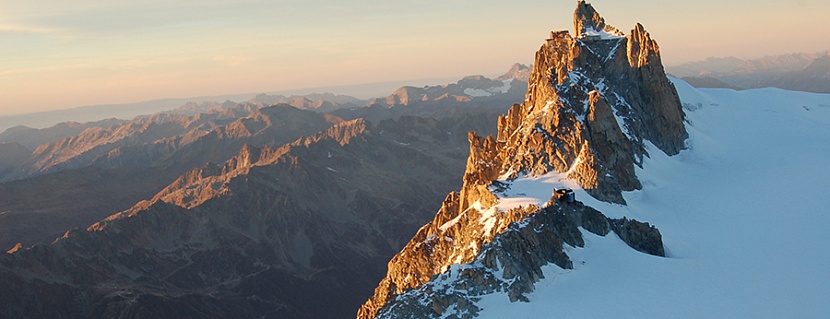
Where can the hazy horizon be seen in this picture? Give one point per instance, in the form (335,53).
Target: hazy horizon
(95,52)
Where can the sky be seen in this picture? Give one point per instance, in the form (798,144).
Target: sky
(62,54)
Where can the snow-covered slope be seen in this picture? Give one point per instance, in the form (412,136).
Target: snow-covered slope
(744,213)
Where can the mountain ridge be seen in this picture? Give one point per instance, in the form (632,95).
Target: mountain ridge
(593,103)
(270,216)
(153,150)
(149,152)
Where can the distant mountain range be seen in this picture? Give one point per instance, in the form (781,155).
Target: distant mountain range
(809,72)
(151,151)
(298,230)
(293,203)
(130,110)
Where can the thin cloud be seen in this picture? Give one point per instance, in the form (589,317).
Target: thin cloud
(16,29)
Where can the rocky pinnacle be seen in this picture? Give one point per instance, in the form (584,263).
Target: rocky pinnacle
(595,102)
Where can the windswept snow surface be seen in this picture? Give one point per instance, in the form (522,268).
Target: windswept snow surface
(744,214)
(604,35)
(532,190)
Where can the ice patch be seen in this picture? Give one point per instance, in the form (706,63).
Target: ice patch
(488,219)
(506,85)
(590,33)
(477,92)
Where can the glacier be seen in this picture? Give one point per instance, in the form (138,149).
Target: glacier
(744,212)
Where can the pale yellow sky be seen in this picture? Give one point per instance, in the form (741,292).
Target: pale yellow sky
(62,55)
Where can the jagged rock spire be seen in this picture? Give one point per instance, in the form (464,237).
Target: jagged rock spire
(592,105)
(586,17)
(588,21)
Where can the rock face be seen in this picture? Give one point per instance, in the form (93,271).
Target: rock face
(591,105)
(510,263)
(593,101)
(587,20)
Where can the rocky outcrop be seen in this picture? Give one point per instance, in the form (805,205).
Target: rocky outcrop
(591,105)
(640,236)
(658,104)
(588,20)
(509,263)
(593,101)
(612,147)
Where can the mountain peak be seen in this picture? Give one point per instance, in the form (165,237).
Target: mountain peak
(586,18)
(587,21)
(518,71)
(592,105)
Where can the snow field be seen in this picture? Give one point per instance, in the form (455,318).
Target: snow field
(744,213)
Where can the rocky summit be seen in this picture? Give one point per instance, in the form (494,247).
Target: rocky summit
(594,101)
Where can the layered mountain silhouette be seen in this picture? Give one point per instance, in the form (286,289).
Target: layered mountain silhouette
(80,179)
(477,92)
(32,138)
(224,209)
(287,231)
(595,100)
(809,72)
(73,174)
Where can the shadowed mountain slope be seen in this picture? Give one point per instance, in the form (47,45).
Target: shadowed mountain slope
(296,231)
